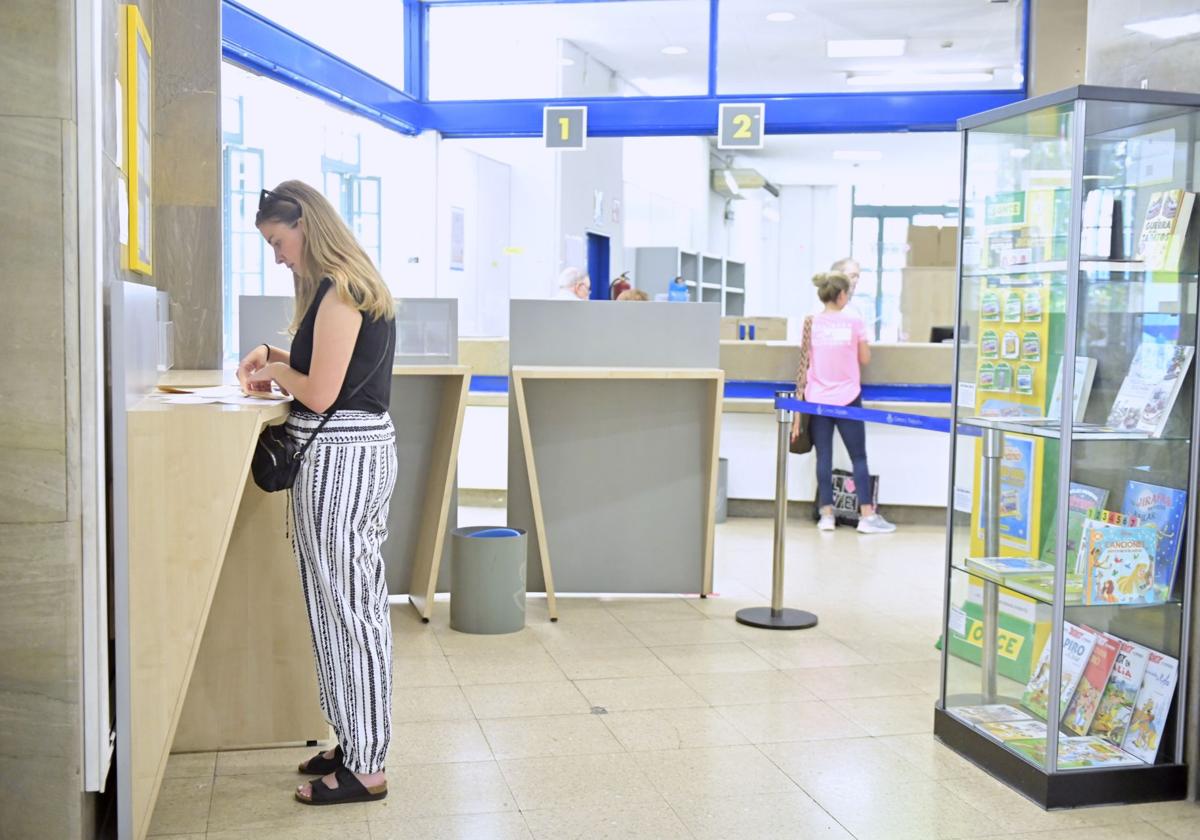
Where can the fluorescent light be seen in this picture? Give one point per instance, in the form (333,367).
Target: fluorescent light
(566,62)
(1099,177)
(918,78)
(674,50)
(781,17)
(1169,27)
(857,154)
(876,48)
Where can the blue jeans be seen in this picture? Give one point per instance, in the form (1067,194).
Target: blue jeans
(854,435)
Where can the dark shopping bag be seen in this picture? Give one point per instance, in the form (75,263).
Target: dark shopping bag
(846,501)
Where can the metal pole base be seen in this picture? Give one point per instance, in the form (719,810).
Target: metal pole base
(783,619)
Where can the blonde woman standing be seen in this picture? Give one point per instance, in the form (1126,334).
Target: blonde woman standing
(343,328)
(839,349)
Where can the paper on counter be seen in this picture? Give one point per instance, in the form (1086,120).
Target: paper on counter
(187,399)
(241,399)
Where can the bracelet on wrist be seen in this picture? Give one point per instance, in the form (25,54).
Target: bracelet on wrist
(268,346)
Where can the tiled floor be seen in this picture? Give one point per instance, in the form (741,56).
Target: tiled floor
(662,718)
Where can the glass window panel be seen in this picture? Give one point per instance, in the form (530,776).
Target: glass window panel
(553,50)
(947,45)
(377,47)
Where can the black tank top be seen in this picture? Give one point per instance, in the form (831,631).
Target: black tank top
(374,339)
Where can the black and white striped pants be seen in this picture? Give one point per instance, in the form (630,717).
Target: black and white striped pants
(339,510)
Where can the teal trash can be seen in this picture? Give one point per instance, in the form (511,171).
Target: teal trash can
(487,580)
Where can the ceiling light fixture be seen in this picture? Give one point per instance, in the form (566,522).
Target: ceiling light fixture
(781,17)
(566,62)
(867,80)
(874,48)
(1169,27)
(674,50)
(857,154)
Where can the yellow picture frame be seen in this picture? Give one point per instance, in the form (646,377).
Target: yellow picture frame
(138,78)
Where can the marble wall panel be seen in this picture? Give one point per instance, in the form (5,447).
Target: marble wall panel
(36,58)
(32,380)
(188,265)
(39,689)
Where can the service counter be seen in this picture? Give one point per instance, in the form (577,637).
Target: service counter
(907,377)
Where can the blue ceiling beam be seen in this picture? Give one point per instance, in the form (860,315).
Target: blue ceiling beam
(832,113)
(262,46)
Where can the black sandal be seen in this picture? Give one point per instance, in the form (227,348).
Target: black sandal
(349,789)
(320,765)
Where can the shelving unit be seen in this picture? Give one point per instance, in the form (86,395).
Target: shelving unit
(1039,646)
(709,278)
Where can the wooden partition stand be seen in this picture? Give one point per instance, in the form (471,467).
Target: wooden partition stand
(707,458)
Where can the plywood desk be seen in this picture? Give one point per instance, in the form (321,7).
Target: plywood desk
(213,643)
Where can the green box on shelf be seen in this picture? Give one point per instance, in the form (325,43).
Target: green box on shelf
(1020,636)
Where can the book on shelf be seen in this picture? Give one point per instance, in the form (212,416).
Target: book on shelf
(1120,564)
(1081,499)
(1144,735)
(1102,226)
(1164,229)
(1116,704)
(1086,700)
(1041,587)
(1163,508)
(1077,646)
(1009,730)
(1147,395)
(990,713)
(1085,375)
(1004,567)
(1075,752)
(1094,519)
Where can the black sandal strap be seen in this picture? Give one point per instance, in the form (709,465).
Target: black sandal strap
(321,765)
(348,787)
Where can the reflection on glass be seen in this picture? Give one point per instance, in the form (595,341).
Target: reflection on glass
(549,50)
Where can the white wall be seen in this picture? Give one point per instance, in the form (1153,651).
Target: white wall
(814,230)
(589,182)
(666,192)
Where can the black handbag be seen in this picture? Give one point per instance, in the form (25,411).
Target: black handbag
(802,442)
(277,455)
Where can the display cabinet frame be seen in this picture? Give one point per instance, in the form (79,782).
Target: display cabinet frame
(1071,289)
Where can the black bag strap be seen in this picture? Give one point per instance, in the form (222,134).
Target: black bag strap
(334,408)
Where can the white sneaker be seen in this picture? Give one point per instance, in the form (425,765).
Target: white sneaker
(827,522)
(875,524)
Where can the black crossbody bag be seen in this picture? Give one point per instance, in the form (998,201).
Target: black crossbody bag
(277,455)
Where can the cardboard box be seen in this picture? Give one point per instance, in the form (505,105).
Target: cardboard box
(926,301)
(932,246)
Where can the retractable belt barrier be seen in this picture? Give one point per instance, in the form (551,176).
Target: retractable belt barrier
(776,616)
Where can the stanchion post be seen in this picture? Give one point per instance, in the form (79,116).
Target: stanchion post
(993,456)
(776,616)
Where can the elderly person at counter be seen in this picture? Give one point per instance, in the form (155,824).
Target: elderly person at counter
(573,284)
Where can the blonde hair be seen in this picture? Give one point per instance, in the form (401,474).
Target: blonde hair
(633,294)
(830,284)
(330,250)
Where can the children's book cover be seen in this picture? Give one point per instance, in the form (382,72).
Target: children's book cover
(990,713)
(1081,499)
(1011,730)
(1151,707)
(1144,401)
(1116,705)
(1090,751)
(1077,646)
(1093,519)
(1086,699)
(1120,565)
(1163,508)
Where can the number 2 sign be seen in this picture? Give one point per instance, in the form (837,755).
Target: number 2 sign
(741,125)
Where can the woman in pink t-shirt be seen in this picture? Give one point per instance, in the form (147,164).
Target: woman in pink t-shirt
(839,348)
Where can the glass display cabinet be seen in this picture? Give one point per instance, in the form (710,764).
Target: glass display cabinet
(1073,470)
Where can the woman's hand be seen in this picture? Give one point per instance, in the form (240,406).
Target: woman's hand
(795,427)
(261,378)
(255,361)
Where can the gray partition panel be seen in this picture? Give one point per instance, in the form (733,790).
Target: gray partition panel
(620,462)
(415,406)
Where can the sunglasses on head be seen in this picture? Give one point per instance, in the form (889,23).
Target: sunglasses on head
(270,195)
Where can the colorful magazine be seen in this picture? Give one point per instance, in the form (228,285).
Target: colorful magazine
(1041,587)
(1144,402)
(1116,705)
(1087,696)
(1151,707)
(991,713)
(1077,646)
(1005,566)
(1074,752)
(1162,507)
(1011,730)
(1081,499)
(1120,565)
(1094,519)
(1164,229)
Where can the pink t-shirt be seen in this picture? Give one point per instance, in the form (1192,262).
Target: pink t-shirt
(834,377)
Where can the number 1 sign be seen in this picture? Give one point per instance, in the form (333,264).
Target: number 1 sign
(741,125)
(565,128)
